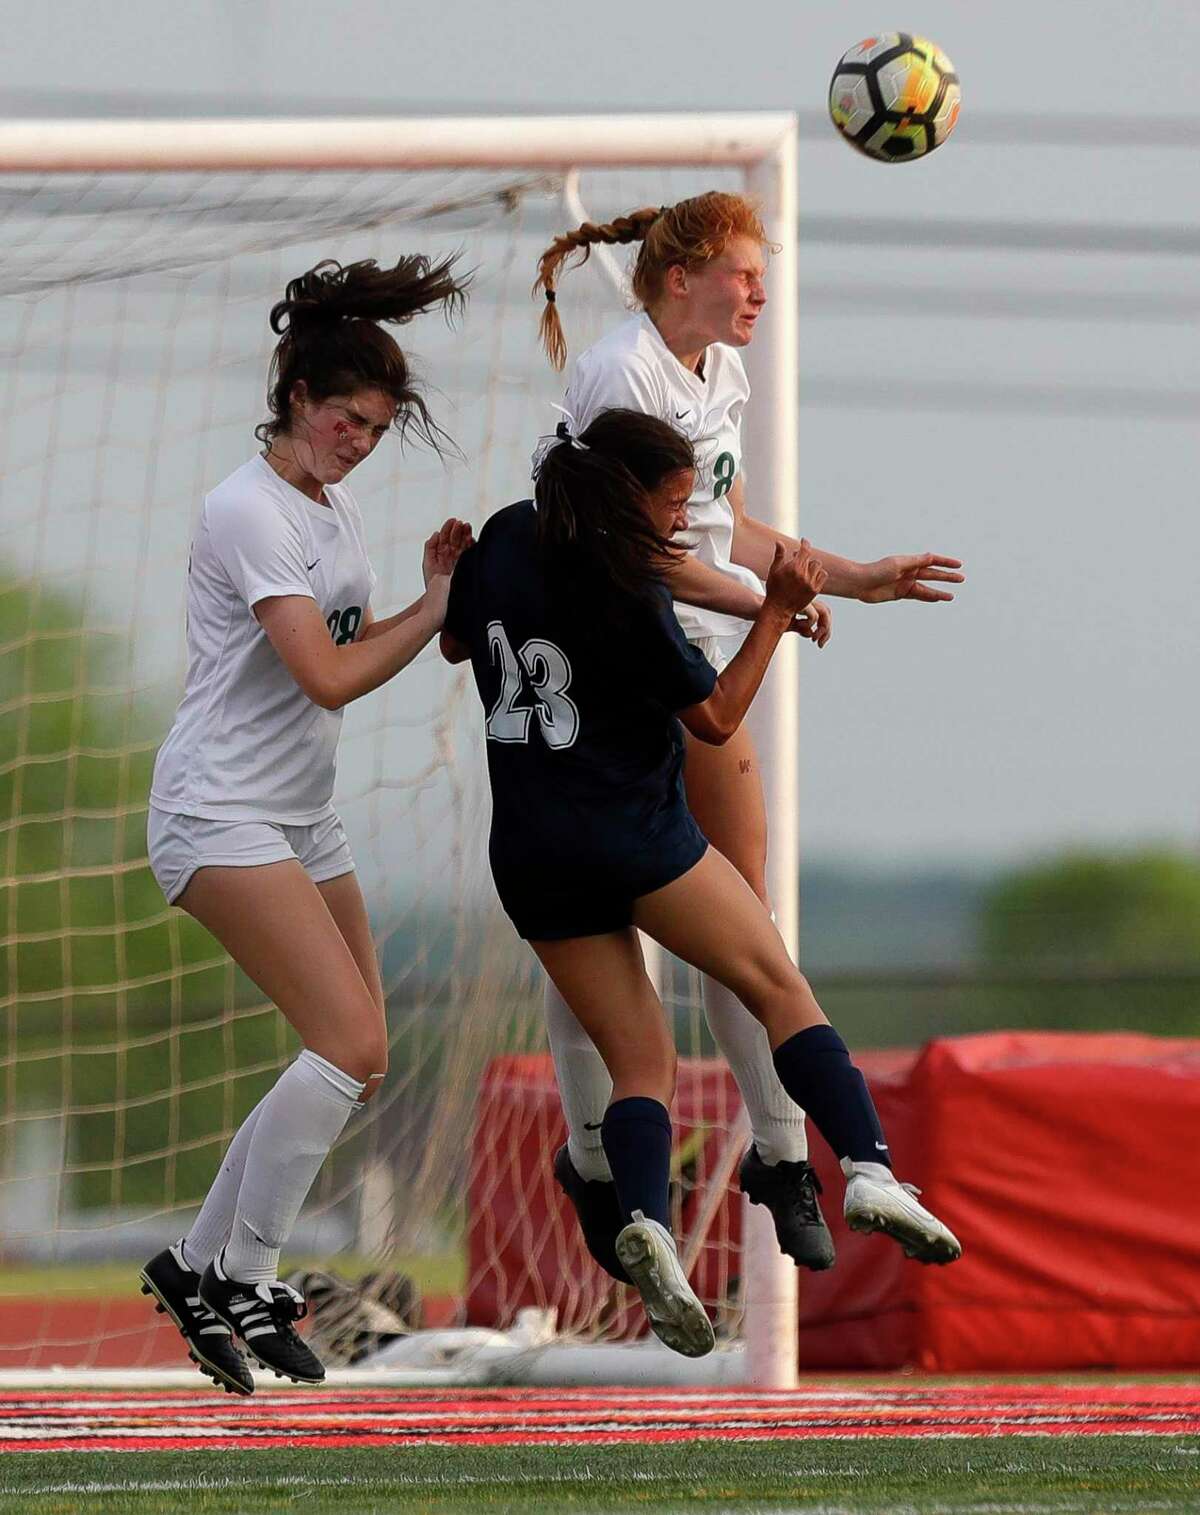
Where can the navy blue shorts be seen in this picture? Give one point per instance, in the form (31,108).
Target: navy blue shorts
(575,896)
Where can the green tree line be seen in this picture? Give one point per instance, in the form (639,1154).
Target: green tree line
(116,1010)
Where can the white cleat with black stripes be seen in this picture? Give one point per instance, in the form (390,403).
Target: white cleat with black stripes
(264,1316)
(877,1201)
(647,1253)
(168,1279)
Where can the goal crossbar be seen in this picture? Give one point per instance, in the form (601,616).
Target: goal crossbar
(118,146)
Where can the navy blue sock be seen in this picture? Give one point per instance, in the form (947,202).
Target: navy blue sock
(815,1069)
(636,1134)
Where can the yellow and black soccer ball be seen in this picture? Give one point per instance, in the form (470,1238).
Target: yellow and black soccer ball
(895,97)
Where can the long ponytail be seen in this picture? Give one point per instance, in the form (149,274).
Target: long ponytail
(593,526)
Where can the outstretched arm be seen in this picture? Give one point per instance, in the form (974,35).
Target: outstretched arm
(694,582)
(697,583)
(899,577)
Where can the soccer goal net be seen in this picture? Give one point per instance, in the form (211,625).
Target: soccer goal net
(139,264)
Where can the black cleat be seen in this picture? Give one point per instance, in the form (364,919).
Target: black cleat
(598,1211)
(262,1315)
(789,1191)
(176,1287)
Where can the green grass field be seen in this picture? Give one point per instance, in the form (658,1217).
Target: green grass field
(999,1476)
(437,1273)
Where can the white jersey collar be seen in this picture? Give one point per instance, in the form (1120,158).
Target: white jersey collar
(327,512)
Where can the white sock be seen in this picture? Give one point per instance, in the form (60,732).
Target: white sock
(584,1086)
(210,1230)
(776,1121)
(298,1123)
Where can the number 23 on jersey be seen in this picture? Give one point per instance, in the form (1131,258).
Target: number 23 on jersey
(548,673)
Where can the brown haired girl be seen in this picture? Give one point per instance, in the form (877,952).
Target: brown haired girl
(699,282)
(242,831)
(591,835)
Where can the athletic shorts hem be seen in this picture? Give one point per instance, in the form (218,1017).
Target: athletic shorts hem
(180,845)
(591,925)
(215,860)
(188,873)
(557,921)
(334,870)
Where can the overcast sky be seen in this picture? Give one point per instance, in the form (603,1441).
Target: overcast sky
(967,386)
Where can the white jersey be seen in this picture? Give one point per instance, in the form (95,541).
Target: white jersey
(248,743)
(632,367)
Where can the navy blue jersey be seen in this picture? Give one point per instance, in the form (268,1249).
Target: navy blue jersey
(584,750)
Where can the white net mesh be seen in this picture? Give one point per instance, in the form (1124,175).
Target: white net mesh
(133,312)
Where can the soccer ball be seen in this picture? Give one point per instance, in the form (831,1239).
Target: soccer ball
(895,97)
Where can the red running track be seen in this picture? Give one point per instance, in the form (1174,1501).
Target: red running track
(48,1421)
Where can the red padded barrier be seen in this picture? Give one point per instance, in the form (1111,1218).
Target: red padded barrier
(1067,1164)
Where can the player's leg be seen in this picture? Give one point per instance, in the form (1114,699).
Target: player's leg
(725,794)
(178,846)
(276,925)
(581,1168)
(211,1229)
(344,901)
(177,1270)
(711,918)
(584,1087)
(325,855)
(603,979)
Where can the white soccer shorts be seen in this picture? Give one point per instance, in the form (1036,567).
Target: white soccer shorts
(179,844)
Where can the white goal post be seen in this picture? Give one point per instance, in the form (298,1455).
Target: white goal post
(762,147)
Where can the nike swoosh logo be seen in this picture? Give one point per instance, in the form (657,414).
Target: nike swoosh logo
(587,1125)
(881,1146)
(682,415)
(312,565)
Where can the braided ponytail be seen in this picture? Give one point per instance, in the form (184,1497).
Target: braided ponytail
(692,232)
(630,228)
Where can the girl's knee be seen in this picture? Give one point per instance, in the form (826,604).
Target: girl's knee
(372,1061)
(371,1085)
(767,982)
(365,1059)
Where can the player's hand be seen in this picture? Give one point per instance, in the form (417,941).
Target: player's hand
(444,548)
(909,578)
(816,624)
(795,578)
